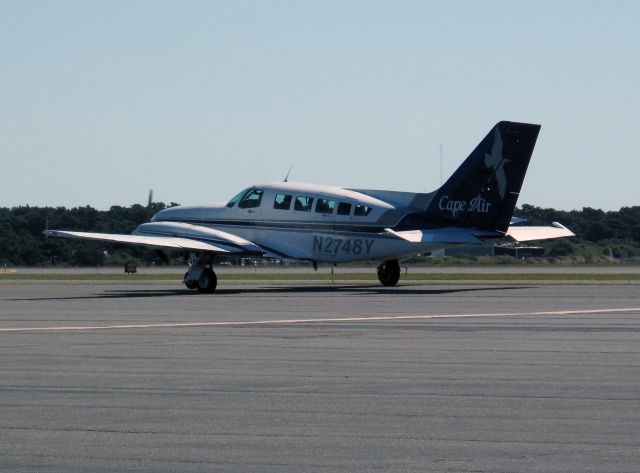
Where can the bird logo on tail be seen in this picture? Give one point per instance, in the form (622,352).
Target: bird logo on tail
(496,162)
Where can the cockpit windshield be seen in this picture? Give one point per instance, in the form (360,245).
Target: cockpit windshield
(236,198)
(251,199)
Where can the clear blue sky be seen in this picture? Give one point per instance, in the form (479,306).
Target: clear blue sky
(102,100)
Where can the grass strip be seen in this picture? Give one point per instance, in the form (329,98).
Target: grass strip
(327,277)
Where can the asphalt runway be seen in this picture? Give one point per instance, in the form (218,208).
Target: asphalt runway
(266,377)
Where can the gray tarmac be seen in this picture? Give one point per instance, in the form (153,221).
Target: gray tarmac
(326,269)
(319,378)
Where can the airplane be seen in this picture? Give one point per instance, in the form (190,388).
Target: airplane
(325,224)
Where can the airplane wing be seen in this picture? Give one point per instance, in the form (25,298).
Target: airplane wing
(152,241)
(557,230)
(173,236)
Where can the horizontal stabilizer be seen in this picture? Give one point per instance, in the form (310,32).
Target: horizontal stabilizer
(444,235)
(539,233)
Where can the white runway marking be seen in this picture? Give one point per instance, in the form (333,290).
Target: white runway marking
(311,321)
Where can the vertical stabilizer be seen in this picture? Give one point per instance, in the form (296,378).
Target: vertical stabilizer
(483,191)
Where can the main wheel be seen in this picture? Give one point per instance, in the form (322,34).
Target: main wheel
(389,272)
(207,281)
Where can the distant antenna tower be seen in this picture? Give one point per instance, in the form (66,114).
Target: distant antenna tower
(441,164)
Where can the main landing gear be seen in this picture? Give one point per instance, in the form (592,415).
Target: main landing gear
(201,275)
(208,281)
(389,272)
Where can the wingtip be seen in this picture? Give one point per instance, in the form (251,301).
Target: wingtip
(559,225)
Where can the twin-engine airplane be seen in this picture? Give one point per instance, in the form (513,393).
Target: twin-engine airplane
(324,224)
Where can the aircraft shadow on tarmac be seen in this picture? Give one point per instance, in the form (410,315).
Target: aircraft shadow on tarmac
(403,290)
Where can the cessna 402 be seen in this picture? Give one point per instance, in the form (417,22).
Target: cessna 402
(324,224)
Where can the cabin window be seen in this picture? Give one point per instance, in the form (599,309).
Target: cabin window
(344,208)
(251,199)
(235,198)
(362,210)
(282,202)
(325,206)
(303,203)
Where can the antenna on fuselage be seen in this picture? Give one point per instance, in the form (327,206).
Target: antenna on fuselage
(286,178)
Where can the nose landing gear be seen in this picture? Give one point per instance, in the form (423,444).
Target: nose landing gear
(201,275)
(389,272)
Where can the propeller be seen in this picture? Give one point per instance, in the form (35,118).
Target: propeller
(150,201)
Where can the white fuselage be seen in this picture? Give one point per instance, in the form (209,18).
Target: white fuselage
(337,226)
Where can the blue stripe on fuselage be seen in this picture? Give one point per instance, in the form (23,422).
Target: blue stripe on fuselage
(284,225)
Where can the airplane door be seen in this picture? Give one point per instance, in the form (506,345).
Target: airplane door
(326,213)
(342,216)
(333,221)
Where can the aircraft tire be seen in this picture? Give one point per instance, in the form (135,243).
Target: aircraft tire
(191,284)
(207,281)
(389,272)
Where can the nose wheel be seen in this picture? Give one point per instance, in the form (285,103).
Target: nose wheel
(200,275)
(389,272)
(191,284)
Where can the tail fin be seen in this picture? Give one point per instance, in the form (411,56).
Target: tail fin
(484,190)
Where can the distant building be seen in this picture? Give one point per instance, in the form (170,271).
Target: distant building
(519,251)
(475,250)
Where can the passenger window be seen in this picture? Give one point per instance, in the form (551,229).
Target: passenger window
(251,199)
(325,206)
(282,202)
(303,203)
(344,208)
(362,210)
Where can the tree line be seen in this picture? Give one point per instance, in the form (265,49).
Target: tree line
(599,233)
(23,244)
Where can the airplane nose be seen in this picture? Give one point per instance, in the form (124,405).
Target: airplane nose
(160,215)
